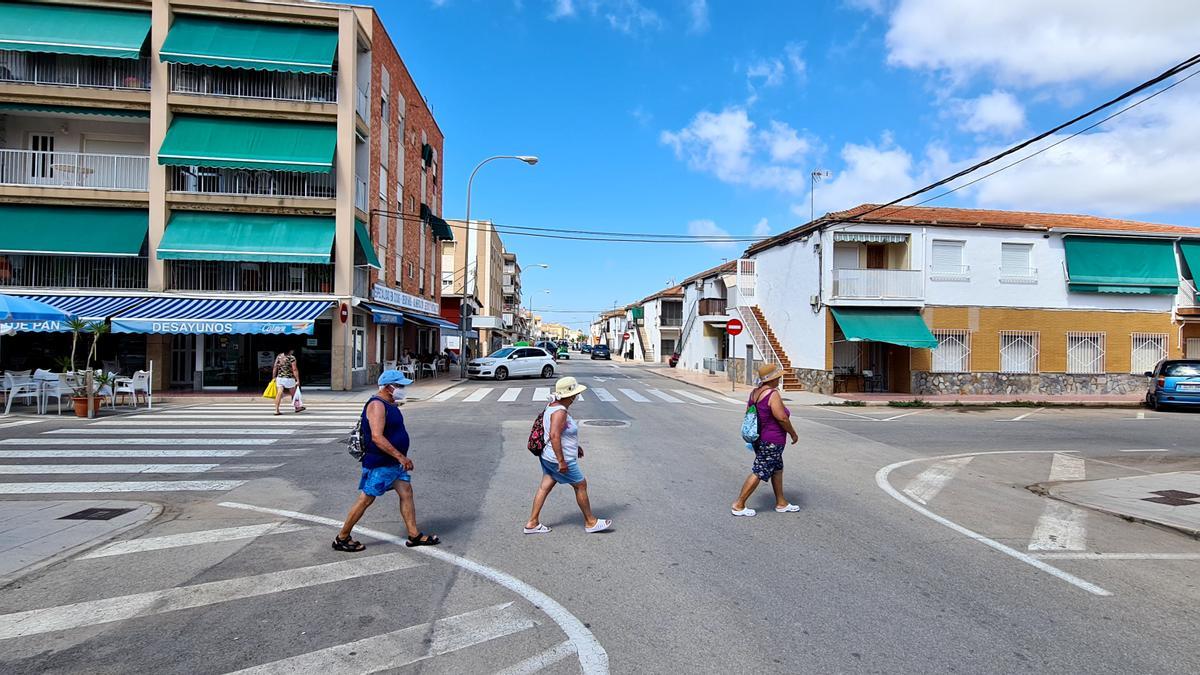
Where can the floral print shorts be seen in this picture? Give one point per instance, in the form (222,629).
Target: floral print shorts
(768,458)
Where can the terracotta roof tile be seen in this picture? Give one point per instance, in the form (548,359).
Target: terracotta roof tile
(672,292)
(719,269)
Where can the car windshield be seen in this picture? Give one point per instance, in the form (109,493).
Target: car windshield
(502,353)
(1182,369)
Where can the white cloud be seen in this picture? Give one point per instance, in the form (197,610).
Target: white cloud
(770,72)
(1032,43)
(794,54)
(872,6)
(708,228)
(697,16)
(562,9)
(784,143)
(761,228)
(729,146)
(644,117)
(997,112)
(627,16)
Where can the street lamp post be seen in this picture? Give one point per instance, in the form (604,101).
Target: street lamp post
(462,316)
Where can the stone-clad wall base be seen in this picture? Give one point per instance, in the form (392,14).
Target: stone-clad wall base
(816,381)
(1047,384)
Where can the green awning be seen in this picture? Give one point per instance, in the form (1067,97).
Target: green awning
(247,237)
(241,143)
(67,230)
(903,327)
(1116,265)
(441,229)
(76,110)
(1191,255)
(365,244)
(83,31)
(250,44)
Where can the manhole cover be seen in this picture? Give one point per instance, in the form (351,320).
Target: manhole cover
(604,423)
(96,514)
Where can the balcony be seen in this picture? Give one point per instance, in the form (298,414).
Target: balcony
(211,181)
(875,284)
(61,70)
(73,170)
(670,322)
(360,195)
(205,275)
(712,307)
(256,84)
(508,319)
(362,105)
(74,272)
(1187,300)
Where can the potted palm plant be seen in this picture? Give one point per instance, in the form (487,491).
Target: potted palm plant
(80,391)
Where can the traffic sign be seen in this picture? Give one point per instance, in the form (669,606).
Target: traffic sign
(733,327)
(627,336)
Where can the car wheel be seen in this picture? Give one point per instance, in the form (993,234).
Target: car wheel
(1155,405)
(501,374)
(547,372)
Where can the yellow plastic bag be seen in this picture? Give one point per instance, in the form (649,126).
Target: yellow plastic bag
(271,391)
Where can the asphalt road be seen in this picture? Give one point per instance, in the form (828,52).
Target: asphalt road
(857,581)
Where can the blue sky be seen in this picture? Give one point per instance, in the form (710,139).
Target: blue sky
(694,116)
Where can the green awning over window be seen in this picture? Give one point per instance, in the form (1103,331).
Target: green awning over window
(1191,255)
(903,327)
(365,244)
(250,44)
(83,31)
(240,143)
(441,229)
(66,230)
(76,110)
(247,237)
(1116,265)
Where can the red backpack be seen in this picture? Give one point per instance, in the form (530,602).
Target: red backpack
(537,436)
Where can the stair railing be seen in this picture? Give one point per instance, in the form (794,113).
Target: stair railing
(750,320)
(692,314)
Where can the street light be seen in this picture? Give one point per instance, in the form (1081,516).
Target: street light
(462,308)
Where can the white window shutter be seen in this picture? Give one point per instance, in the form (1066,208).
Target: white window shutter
(948,256)
(1016,257)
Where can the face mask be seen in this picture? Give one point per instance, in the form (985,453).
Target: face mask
(398,394)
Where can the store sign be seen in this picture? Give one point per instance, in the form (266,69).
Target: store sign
(212,327)
(391,296)
(34,327)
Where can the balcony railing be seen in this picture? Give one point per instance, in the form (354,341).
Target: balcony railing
(670,321)
(360,195)
(73,170)
(53,271)
(259,84)
(210,181)
(856,284)
(712,307)
(74,71)
(205,275)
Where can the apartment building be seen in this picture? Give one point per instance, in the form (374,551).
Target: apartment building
(660,324)
(218,181)
(493,282)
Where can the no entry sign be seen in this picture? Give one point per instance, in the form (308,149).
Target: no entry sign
(627,336)
(734,327)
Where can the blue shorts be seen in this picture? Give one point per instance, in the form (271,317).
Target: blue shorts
(573,476)
(376,482)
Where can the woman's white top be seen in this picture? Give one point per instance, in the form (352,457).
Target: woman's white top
(570,436)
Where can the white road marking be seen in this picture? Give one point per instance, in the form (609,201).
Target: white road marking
(1141,416)
(120,486)
(510,394)
(1067,467)
(291,418)
(930,482)
(18,423)
(192,539)
(171,431)
(1061,527)
(94,612)
(16,469)
(140,441)
(603,395)
(593,660)
(200,424)
(106,454)
(478,395)
(664,396)
(633,395)
(896,417)
(1088,555)
(1146,450)
(732,400)
(1018,418)
(689,395)
(447,395)
(540,662)
(541,394)
(403,647)
(881,479)
(844,412)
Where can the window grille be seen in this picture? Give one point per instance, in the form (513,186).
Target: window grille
(1018,351)
(953,353)
(1193,348)
(1085,353)
(1147,349)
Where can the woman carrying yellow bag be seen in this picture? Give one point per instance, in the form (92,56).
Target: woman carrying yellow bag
(271,389)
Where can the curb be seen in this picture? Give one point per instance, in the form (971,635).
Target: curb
(847,403)
(1043,489)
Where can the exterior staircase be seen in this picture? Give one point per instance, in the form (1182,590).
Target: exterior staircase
(761,331)
(647,350)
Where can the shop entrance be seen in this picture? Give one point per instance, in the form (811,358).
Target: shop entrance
(244,362)
(871,367)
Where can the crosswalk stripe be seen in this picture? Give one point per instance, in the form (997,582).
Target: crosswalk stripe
(121,608)
(193,539)
(687,394)
(140,441)
(636,397)
(210,422)
(1061,527)
(930,482)
(173,430)
(18,423)
(603,395)
(510,394)
(406,646)
(664,396)
(16,469)
(540,662)
(732,400)
(447,395)
(120,486)
(478,395)
(541,394)
(106,454)
(303,418)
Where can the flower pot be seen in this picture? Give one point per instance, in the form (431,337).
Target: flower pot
(81,406)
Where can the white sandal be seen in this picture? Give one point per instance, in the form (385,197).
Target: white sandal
(790,508)
(747,512)
(600,526)
(540,529)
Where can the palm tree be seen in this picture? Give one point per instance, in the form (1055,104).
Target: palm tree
(76,325)
(96,328)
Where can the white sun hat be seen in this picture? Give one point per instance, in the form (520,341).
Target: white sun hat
(568,387)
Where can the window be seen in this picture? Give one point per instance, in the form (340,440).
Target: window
(383,183)
(953,353)
(1018,351)
(947,260)
(359,337)
(1147,349)
(1085,353)
(846,357)
(1016,264)
(447,280)
(1193,349)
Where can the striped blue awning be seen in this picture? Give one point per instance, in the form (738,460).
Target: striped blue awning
(385,316)
(212,316)
(433,321)
(86,307)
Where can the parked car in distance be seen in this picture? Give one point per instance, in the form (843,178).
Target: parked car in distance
(1174,382)
(585,349)
(601,352)
(563,353)
(513,362)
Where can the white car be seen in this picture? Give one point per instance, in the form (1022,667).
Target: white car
(513,362)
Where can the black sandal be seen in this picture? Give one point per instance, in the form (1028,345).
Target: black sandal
(348,545)
(423,539)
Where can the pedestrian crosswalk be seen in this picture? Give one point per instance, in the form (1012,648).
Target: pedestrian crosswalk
(467,394)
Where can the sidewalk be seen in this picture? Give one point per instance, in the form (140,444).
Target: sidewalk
(1079,400)
(719,384)
(34,534)
(1171,500)
(417,391)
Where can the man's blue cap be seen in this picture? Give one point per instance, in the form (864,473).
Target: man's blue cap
(393,377)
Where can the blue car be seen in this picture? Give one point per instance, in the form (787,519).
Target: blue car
(1174,383)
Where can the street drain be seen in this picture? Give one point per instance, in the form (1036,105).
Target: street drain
(96,514)
(604,423)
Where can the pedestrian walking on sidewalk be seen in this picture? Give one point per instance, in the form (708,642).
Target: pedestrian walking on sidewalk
(774,426)
(560,459)
(385,462)
(287,379)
